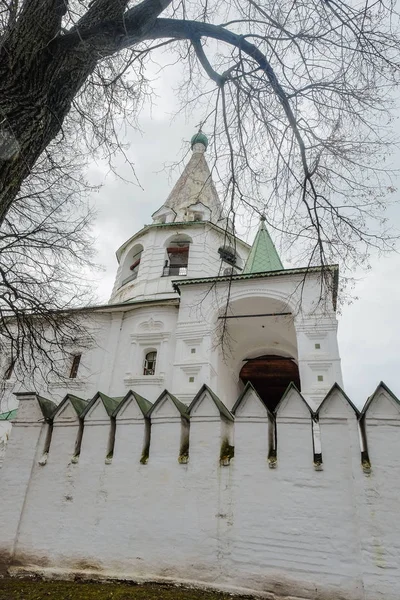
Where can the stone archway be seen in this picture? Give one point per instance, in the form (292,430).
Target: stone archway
(270,375)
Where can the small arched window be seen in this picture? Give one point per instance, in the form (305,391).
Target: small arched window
(149,367)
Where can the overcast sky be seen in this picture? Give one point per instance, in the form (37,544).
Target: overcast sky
(369,328)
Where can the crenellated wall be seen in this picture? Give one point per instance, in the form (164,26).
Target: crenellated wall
(296,504)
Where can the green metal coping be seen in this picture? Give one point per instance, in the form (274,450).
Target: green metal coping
(9,415)
(109,403)
(182,408)
(79,404)
(48,407)
(218,403)
(263,255)
(299,271)
(144,404)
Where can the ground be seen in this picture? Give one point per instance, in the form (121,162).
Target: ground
(17,589)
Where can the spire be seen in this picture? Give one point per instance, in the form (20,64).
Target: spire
(194,196)
(263,255)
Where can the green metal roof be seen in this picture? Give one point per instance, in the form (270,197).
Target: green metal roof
(263,255)
(9,415)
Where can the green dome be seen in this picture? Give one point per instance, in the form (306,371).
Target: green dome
(199,138)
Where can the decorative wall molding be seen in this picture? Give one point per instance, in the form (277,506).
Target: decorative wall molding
(132,380)
(149,337)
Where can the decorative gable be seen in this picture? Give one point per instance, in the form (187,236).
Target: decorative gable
(165,214)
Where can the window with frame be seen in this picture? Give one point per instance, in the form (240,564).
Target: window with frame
(149,366)
(76,359)
(9,370)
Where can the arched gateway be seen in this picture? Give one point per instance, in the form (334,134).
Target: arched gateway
(270,375)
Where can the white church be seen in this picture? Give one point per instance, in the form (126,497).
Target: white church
(204,437)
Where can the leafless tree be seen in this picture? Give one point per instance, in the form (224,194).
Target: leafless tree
(298,95)
(45,258)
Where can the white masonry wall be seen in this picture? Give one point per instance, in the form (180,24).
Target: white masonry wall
(204,259)
(287,527)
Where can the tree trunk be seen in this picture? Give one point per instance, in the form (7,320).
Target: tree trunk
(41,72)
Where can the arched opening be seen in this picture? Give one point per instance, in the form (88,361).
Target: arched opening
(131,265)
(260,346)
(177,259)
(270,375)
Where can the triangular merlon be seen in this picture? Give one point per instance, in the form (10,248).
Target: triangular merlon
(110,404)
(182,408)
(249,388)
(290,389)
(224,412)
(380,387)
(78,404)
(143,404)
(336,388)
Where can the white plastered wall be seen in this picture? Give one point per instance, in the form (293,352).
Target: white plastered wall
(289,531)
(311,324)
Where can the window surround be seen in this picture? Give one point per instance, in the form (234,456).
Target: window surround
(141,344)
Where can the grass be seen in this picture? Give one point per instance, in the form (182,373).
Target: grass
(23,589)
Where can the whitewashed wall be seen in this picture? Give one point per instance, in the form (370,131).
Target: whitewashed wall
(185,333)
(204,260)
(297,530)
(312,322)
